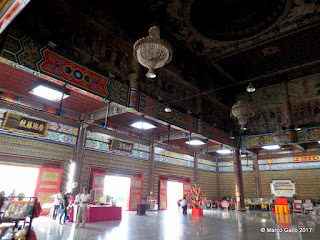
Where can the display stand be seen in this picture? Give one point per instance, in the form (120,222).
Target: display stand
(16,217)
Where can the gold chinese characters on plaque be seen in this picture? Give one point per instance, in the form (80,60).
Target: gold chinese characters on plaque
(121,146)
(17,122)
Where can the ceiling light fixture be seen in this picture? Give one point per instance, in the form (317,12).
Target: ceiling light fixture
(250,88)
(48,93)
(167,109)
(319,142)
(224,151)
(297,128)
(195,142)
(143,125)
(242,110)
(271,147)
(152,52)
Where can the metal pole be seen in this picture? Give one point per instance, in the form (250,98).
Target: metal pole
(107,114)
(61,100)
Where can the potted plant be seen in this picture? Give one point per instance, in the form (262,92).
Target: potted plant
(197,199)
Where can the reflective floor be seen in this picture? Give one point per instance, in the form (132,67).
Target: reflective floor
(215,224)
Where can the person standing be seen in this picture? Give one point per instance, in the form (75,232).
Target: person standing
(64,207)
(184,205)
(82,212)
(56,203)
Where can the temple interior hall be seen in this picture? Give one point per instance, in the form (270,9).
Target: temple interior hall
(160,119)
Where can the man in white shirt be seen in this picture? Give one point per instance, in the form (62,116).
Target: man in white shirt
(184,205)
(56,203)
(82,212)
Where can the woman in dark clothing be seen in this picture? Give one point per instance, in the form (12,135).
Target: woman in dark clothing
(64,207)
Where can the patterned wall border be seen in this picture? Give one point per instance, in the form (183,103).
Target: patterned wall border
(206,167)
(309,134)
(206,162)
(257,140)
(164,152)
(290,160)
(57,132)
(101,137)
(290,166)
(9,9)
(54,126)
(39,106)
(104,147)
(231,169)
(173,161)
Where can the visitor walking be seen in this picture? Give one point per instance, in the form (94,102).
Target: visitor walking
(56,203)
(184,205)
(64,208)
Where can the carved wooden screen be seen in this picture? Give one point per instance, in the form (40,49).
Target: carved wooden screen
(135,193)
(187,189)
(48,184)
(163,195)
(98,185)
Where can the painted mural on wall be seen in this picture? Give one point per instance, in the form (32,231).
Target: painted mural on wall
(304,94)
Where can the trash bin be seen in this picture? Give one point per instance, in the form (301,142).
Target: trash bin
(141,209)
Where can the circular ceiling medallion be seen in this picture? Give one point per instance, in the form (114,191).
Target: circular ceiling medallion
(231,20)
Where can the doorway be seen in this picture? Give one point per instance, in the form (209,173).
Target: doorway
(118,189)
(19,179)
(174,193)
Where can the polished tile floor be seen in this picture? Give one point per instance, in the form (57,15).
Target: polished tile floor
(171,225)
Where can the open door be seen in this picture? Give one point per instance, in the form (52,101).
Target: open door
(98,185)
(163,195)
(48,184)
(135,193)
(187,189)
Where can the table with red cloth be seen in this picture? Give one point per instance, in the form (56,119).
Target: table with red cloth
(98,213)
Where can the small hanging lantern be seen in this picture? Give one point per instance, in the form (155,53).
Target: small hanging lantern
(242,110)
(152,52)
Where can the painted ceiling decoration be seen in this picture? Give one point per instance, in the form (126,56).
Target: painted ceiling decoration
(227,20)
(220,47)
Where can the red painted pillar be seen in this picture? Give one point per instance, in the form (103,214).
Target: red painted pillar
(240,206)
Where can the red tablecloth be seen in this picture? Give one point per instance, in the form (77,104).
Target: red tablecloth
(100,213)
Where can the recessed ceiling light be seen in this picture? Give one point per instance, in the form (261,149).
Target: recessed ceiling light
(167,109)
(250,88)
(271,147)
(48,93)
(195,142)
(224,151)
(143,125)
